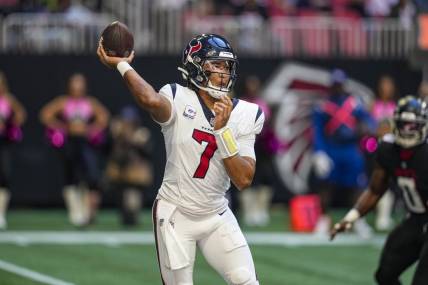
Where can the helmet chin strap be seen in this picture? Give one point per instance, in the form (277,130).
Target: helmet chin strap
(211,90)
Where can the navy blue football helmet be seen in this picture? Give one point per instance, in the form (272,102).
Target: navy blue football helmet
(200,52)
(410,121)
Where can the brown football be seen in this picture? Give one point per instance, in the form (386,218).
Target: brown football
(117,40)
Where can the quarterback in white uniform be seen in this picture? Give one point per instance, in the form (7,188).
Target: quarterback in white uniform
(209,140)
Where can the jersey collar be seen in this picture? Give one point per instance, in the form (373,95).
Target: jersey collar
(209,115)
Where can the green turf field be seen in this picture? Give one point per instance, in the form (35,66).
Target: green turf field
(105,263)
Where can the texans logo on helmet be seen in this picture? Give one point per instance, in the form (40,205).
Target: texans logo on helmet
(195,48)
(192,50)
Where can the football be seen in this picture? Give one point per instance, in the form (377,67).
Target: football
(117,40)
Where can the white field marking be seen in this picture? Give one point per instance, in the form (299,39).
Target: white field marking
(35,276)
(119,238)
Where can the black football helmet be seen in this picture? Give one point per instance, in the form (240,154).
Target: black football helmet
(410,121)
(203,50)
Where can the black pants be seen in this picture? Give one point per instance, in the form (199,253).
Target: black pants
(5,164)
(80,163)
(406,244)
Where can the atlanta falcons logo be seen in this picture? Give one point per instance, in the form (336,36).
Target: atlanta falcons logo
(296,89)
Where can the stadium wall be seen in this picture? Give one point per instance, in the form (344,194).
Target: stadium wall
(34,80)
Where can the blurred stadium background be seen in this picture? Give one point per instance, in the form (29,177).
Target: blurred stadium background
(289,45)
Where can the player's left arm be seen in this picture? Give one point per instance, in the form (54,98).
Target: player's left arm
(241,170)
(240,165)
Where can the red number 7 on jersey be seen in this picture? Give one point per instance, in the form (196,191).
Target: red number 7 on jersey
(208,153)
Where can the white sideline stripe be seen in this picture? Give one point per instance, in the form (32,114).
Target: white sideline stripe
(118,238)
(31,274)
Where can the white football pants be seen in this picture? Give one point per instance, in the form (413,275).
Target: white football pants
(218,236)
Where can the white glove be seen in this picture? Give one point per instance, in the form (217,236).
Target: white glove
(322,164)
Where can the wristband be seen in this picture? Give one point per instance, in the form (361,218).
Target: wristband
(352,216)
(123,67)
(226,142)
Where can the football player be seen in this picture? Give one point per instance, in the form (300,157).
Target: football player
(401,156)
(209,140)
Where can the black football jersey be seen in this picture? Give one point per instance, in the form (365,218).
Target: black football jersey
(408,167)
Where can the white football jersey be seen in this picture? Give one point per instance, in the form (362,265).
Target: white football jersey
(195,178)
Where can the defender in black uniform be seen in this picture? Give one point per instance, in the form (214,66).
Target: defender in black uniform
(402,156)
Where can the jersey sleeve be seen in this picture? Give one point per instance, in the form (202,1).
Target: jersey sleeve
(246,141)
(169,92)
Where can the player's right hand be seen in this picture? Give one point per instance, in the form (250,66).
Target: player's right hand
(340,227)
(222,110)
(111,61)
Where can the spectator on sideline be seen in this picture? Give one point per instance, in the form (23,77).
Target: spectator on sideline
(12,116)
(75,123)
(129,170)
(255,202)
